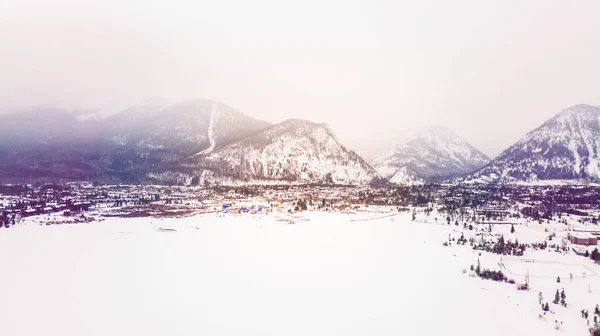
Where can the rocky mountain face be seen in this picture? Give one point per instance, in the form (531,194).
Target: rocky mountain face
(294,151)
(188,127)
(52,144)
(433,152)
(191,142)
(566,147)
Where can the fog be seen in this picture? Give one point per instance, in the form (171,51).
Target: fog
(489,70)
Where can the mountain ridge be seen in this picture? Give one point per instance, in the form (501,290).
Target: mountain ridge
(564,147)
(430,153)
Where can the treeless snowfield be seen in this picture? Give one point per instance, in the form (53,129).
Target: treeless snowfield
(251,275)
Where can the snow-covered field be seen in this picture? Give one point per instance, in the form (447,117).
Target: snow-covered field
(329,274)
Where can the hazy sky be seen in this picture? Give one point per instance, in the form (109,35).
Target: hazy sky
(489,70)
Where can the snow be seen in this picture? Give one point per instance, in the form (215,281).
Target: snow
(566,146)
(330,274)
(211,125)
(292,151)
(431,152)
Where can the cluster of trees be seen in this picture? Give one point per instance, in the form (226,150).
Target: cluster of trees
(492,275)
(502,247)
(301,205)
(560,297)
(489,274)
(595,330)
(462,240)
(6,220)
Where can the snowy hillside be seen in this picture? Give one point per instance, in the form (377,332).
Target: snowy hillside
(54,144)
(431,152)
(191,125)
(566,147)
(293,151)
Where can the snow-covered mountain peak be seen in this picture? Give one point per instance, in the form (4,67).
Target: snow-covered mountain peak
(430,152)
(567,146)
(293,151)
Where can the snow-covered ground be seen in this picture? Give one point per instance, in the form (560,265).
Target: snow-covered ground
(327,274)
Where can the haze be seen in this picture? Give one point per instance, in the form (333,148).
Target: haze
(489,70)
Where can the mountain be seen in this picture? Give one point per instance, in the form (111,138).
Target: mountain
(52,144)
(294,151)
(187,127)
(565,147)
(189,142)
(432,152)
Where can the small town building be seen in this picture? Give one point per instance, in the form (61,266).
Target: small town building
(583,238)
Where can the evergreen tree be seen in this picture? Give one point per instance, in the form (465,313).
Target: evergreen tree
(595,255)
(512,229)
(557,280)
(541,298)
(556,297)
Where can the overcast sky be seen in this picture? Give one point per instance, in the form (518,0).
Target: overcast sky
(489,70)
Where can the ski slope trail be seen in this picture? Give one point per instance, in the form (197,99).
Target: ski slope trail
(211,133)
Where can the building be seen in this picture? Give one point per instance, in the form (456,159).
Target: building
(583,238)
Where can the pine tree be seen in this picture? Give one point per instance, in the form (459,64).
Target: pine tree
(595,255)
(557,280)
(512,229)
(547,307)
(541,298)
(556,297)
(562,294)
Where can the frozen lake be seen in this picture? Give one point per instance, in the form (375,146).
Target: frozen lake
(249,275)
